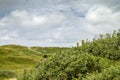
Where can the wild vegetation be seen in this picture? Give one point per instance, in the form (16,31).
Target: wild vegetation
(98,59)
(14,59)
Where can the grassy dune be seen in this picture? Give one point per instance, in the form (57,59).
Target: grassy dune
(15,58)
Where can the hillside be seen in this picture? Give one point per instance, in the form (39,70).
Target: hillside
(18,55)
(15,58)
(92,60)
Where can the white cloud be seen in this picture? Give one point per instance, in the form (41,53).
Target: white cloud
(55,21)
(99,14)
(8,35)
(28,19)
(27,25)
(102,15)
(35,21)
(31,19)
(4,38)
(55,18)
(101,19)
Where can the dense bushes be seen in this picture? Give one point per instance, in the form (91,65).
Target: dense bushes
(105,46)
(68,66)
(96,60)
(111,73)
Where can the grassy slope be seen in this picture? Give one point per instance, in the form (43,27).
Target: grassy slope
(17,58)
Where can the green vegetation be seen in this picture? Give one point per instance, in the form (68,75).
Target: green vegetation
(92,60)
(7,74)
(49,51)
(107,46)
(14,59)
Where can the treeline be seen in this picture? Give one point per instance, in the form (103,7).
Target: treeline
(95,60)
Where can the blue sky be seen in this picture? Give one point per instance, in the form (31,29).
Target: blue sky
(56,22)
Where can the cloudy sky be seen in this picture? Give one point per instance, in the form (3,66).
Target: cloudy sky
(56,22)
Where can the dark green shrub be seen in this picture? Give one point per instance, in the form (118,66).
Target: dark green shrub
(111,73)
(96,60)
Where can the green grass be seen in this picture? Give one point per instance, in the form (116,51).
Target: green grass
(17,58)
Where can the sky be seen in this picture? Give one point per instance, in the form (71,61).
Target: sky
(56,22)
